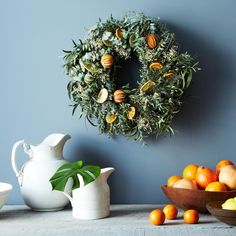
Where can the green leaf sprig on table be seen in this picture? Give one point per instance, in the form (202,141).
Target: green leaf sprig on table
(71,170)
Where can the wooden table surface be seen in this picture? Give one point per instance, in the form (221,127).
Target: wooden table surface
(131,220)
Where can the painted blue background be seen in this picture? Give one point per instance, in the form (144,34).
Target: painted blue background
(34,100)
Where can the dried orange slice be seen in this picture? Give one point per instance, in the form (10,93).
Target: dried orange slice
(119,34)
(156,66)
(147,86)
(111,118)
(168,75)
(102,95)
(131,113)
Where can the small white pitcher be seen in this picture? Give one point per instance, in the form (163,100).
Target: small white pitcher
(92,201)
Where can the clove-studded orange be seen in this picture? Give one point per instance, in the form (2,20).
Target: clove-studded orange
(152,41)
(119,96)
(107,60)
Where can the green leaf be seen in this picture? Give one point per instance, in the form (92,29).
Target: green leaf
(71,170)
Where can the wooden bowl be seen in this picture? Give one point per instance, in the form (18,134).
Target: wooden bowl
(195,199)
(226,216)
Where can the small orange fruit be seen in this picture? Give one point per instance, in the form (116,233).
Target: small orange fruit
(157,217)
(170,211)
(205,176)
(191,216)
(221,164)
(119,96)
(172,180)
(107,60)
(216,186)
(190,171)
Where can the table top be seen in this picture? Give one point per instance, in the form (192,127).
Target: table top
(132,220)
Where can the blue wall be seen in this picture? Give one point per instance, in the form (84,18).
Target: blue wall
(34,100)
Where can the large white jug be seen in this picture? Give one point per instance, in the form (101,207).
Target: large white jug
(34,175)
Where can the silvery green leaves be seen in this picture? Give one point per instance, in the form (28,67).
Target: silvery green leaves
(71,170)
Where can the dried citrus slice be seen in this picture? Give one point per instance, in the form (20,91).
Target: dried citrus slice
(102,95)
(131,113)
(168,75)
(132,39)
(90,67)
(111,118)
(156,66)
(105,38)
(107,43)
(119,34)
(147,86)
(88,79)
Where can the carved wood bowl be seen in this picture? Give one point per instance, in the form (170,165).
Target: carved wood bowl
(226,216)
(195,199)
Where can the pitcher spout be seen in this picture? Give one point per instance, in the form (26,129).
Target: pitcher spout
(56,140)
(105,172)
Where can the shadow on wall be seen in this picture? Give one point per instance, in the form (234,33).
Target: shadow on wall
(202,100)
(94,153)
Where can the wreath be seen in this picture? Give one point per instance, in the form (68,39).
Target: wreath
(165,73)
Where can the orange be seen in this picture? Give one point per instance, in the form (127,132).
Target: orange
(190,171)
(191,216)
(204,177)
(221,164)
(216,187)
(157,217)
(170,211)
(172,180)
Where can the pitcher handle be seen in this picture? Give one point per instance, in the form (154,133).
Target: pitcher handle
(69,197)
(27,150)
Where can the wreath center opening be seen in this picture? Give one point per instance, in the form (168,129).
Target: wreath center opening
(129,72)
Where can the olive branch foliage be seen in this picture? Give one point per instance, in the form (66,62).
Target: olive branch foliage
(155,109)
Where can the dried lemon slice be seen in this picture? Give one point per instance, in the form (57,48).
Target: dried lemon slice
(90,67)
(156,66)
(119,34)
(105,38)
(111,118)
(147,86)
(132,39)
(131,113)
(102,95)
(107,43)
(168,75)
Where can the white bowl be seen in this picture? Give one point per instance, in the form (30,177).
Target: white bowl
(4,191)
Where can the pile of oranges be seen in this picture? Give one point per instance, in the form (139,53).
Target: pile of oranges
(195,177)
(170,212)
(200,177)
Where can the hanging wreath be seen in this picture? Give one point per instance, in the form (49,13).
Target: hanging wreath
(146,110)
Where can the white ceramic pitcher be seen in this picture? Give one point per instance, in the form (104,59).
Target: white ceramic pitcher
(34,175)
(92,201)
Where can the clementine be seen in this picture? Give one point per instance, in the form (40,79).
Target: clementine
(221,164)
(204,177)
(191,216)
(216,186)
(170,211)
(157,217)
(190,171)
(172,179)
